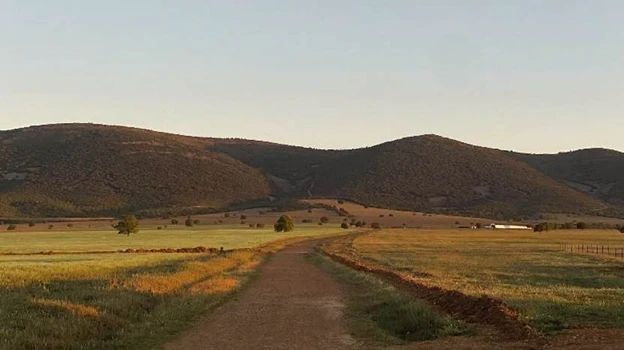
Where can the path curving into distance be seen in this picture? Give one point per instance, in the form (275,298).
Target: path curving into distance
(292,304)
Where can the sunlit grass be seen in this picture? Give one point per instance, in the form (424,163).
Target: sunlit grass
(228,237)
(552,289)
(112,301)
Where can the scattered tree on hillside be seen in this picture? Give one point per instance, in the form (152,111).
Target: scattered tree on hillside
(128,224)
(344,225)
(284,224)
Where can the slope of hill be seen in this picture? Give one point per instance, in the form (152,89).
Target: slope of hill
(598,172)
(425,173)
(85,169)
(91,169)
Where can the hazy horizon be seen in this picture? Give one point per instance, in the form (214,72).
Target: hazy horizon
(529,76)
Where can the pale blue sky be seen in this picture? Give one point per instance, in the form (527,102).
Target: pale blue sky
(528,75)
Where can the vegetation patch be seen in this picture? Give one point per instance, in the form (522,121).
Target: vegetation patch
(380,313)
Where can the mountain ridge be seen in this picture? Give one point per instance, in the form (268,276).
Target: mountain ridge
(94,169)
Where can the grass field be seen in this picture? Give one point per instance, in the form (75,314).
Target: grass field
(380,314)
(552,289)
(121,301)
(107,239)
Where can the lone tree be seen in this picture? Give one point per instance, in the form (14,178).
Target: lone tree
(128,224)
(284,224)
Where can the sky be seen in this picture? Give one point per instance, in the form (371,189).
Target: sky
(528,75)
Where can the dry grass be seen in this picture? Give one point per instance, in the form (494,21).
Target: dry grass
(111,301)
(552,289)
(395,218)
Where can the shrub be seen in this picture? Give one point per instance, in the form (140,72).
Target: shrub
(188,222)
(621,229)
(324,219)
(284,224)
(306,221)
(381,215)
(31,224)
(227,215)
(260,225)
(128,224)
(70,225)
(243,222)
(391,215)
(50,227)
(196,222)
(340,201)
(174,222)
(11,227)
(243,217)
(159,228)
(252,225)
(344,225)
(309,211)
(376,226)
(581,225)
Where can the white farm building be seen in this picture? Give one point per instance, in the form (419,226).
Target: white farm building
(508,227)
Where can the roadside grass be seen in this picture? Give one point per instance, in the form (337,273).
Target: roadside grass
(381,314)
(116,301)
(107,239)
(552,289)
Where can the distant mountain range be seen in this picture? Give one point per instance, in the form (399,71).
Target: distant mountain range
(88,170)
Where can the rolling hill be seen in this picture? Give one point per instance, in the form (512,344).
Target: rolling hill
(86,169)
(597,172)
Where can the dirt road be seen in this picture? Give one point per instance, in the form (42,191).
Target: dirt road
(291,305)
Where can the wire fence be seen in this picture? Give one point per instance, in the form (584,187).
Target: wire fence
(617,252)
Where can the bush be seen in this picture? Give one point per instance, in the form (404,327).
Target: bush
(252,225)
(174,222)
(196,222)
(621,229)
(376,226)
(344,225)
(324,219)
(243,217)
(31,224)
(260,225)
(188,222)
(11,227)
(284,224)
(70,225)
(581,225)
(227,215)
(159,228)
(50,227)
(306,221)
